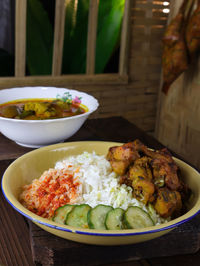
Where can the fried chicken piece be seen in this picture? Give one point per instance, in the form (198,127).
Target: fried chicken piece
(120,157)
(141,167)
(123,152)
(141,176)
(168,202)
(162,154)
(166,172)
(124,179)
(153,176)
(164,167)
(143,190)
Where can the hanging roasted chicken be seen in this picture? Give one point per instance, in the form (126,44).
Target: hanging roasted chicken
(192,33)
(175,58)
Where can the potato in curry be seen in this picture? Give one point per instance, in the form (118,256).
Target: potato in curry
(40,109)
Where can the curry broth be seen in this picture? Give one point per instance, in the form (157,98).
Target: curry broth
(41,108)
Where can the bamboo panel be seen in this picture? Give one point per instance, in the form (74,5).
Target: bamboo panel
(148,123)
(149,21)
(58,37)
(141,99)
(139,113)
(91,38)
(146,126)
(147,26)
(20,37)
(149,4)
(63,81)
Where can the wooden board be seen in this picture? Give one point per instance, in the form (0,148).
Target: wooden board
(46,249)
(52,250)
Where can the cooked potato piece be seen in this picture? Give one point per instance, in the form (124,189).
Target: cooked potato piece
(120,157)
(143,190)
(119,167)
(141,168)
(41,110)
(168,202)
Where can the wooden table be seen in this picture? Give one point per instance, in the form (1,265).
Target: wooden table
(23,243)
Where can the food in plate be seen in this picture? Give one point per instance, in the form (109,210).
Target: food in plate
(130,187)
(153,175)
(39,109)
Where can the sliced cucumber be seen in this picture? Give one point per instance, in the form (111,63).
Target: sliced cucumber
(97,216)
(60,214)
(135,217)
(78,216)
(152,213)
(114,219)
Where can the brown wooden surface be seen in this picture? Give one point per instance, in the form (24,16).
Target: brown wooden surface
(91,36)
(58,37)
(23,243)
(20,38)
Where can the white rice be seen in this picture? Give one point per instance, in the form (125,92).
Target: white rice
(100,185)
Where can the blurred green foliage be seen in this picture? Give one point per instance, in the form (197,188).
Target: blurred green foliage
(40,25)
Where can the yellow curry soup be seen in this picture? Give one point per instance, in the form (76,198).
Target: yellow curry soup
(41,108)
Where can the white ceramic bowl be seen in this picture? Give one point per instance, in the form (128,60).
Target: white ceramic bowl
(37,133)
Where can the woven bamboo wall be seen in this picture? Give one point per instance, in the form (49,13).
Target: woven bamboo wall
(147,27)
(137,100)
(133,94)
(178,122)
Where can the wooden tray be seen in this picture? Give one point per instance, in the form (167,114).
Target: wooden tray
(52,250)
(48,249)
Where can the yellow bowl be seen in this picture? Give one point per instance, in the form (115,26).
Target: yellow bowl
(31,165)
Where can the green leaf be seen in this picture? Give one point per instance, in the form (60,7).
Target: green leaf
(76,27)
(39,39)
(109,31)
(75,43)
(40,36)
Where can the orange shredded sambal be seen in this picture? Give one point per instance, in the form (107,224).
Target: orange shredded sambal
(55,188)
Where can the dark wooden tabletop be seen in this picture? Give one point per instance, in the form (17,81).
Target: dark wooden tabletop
(23,243)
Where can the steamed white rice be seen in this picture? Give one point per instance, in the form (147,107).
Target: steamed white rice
(100,185)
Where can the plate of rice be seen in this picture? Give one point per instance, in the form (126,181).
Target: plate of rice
(78,174)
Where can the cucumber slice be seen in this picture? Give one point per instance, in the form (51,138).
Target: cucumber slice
(77,217)
(135,217)
(97,216)
(60,214)
(114,219)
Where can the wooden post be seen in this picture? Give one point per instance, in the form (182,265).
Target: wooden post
(125,39)
(20,38)
(91,38)
(58,37)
